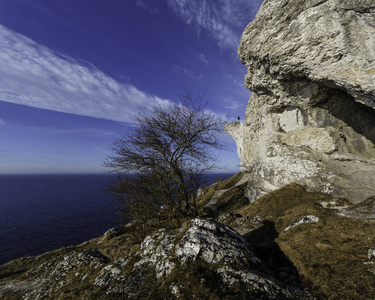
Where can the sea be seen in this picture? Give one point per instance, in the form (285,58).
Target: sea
(40,213)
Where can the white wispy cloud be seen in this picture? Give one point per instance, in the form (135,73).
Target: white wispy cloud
(33,75)
(230,103)
(2,122)
(49,131)
(182,70)
(87,132)
(223,19)
(235,80)
(148,4)
(187,72)
(203,59)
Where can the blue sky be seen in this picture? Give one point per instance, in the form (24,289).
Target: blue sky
(73,73)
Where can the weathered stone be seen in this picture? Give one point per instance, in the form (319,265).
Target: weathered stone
(324,42)
(364,210)
(241,224)
(255,281)
(114,279)
(311,70)
(156,250)
(14,287)
(371,261)
(56,274)
(110,233)
(310,219)
(291,119)
(371,254)
(214,243)
(314,138)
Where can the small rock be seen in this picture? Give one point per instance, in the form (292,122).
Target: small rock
(310,219)
(110,233)
(175,289)
(371,254)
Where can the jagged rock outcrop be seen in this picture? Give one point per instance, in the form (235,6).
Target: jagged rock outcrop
(222,248)
(164,267)
(311,116)
(42,281)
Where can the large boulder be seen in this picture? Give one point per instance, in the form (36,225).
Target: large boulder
(310,118)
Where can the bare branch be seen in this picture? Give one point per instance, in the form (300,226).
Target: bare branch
(170,149)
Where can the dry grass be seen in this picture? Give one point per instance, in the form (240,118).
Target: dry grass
(209,191)
(207,194)
(232,199)
(230,182)
(329,255)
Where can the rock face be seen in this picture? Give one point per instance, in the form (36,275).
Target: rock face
(311,115)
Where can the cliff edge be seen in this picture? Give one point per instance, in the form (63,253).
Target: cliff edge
(310,119)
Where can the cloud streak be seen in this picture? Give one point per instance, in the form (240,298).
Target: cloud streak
(230,103)
(33,75)
(79,132)
(203,59)
(224,20)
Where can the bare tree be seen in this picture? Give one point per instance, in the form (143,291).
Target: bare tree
(169,149)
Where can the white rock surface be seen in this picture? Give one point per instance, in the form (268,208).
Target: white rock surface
(371,254)
(58,273)
(214,243)
(291,119)
(156,250)
(311,70)
(309,219)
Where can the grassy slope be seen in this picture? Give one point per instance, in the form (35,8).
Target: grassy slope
(112,247)
(329,255)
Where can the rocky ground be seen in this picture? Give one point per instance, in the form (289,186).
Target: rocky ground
(286,245)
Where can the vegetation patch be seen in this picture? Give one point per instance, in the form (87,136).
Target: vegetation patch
(206,194)
(232,199)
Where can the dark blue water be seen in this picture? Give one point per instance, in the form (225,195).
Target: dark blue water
(39,213)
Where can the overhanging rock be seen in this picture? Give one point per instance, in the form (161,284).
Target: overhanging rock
(311,117)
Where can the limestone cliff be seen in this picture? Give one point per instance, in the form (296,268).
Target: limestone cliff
(311,118)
